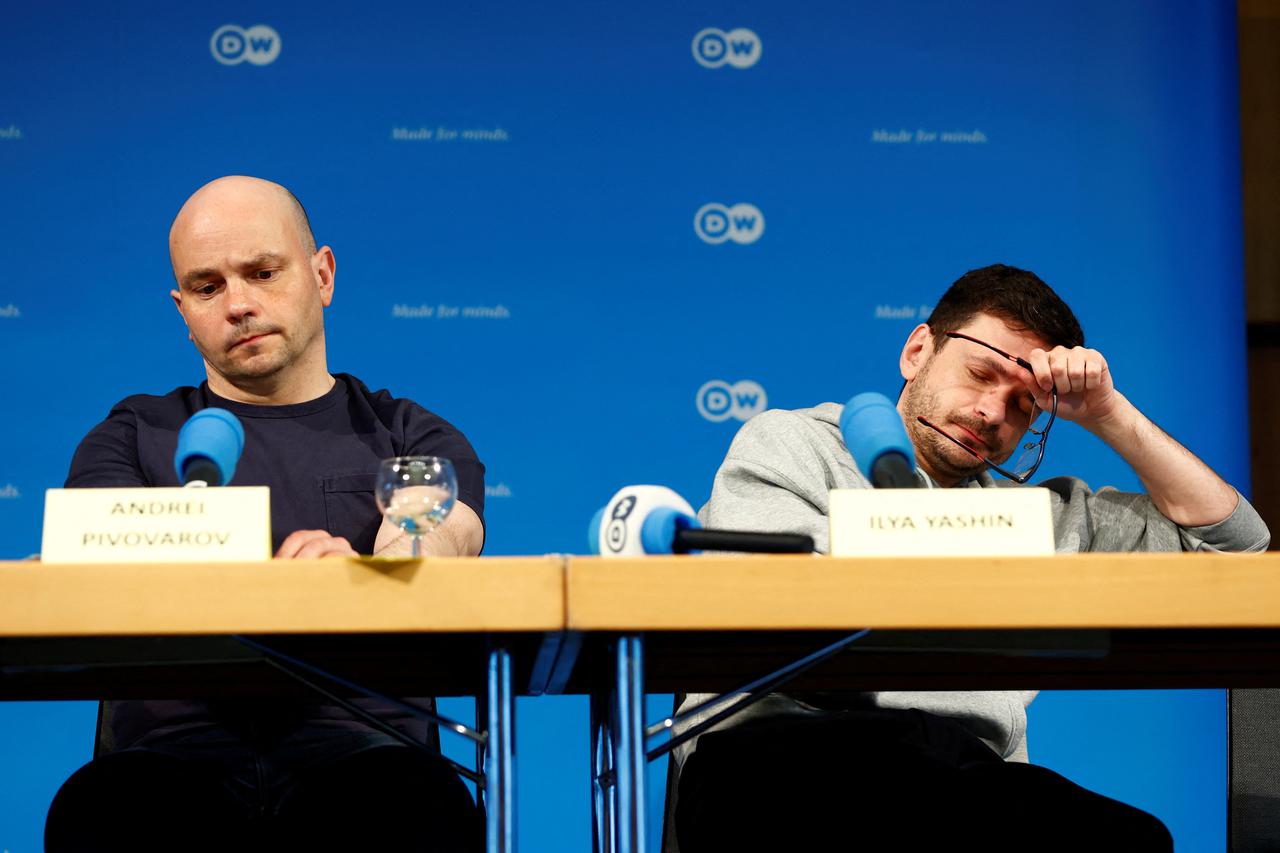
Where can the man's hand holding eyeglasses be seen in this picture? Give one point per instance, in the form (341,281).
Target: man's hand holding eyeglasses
(1183,488)
(1086,393)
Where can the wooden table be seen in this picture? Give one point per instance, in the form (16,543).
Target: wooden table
(402,627)
(608,627)
(713,624)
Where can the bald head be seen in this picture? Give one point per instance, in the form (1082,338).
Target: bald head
(238,197)
(252,289)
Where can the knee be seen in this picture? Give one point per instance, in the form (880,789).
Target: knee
(138,800)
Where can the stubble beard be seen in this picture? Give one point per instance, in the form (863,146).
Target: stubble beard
(256,367)
(238,366)
(943,457)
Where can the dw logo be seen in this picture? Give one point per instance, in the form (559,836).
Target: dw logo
(713,48)
(615,535)
(715,223)
(717,400)
(231,45)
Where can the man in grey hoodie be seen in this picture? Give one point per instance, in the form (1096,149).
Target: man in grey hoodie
(920,770)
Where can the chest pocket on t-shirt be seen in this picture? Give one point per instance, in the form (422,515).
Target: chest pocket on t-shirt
(350,509)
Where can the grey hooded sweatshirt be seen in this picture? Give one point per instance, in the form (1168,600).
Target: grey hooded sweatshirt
(777,476)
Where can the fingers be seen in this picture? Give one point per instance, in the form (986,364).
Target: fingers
(1042,377)
(1059,367)
(1039,360)
(1069,370)
(1096,372)
(294,541)
(329,546)
(311,544)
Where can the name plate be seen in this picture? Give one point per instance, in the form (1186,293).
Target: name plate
(940,522)
(226,524)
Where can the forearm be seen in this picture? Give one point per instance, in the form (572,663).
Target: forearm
(461,535)
(1184,489)
(437,543)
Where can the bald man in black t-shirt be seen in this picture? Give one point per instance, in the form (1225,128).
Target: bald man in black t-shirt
(199,775)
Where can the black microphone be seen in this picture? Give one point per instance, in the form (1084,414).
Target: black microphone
(642,520)
(701,539)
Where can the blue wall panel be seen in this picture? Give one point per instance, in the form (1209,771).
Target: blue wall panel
(1093,142)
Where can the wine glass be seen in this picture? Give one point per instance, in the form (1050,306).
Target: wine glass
(416,493)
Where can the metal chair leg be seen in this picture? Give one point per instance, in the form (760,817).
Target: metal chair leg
(602,787)
(499,779)
(629,738)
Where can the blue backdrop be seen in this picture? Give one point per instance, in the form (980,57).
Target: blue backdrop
(598,236)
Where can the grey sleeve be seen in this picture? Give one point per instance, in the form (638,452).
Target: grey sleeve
(772,480)
(1243,530)
(1111,520)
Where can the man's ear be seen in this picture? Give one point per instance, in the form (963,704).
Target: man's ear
(916,351)
(324,265)
(177,303)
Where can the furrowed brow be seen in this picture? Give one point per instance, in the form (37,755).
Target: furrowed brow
(999,365)
(1013,372)
(194,277)
(263,259)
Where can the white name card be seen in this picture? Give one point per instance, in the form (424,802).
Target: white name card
(157,525)
(940,522)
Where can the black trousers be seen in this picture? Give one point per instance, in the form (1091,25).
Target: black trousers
(882,779)
(315,790)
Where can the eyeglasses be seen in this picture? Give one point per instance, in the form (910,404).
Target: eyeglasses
(1030,452)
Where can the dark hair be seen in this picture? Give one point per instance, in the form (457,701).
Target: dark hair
(1016,296)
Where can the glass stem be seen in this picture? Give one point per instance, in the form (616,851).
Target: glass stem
(417,546)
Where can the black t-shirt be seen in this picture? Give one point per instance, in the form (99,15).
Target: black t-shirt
(320,459)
